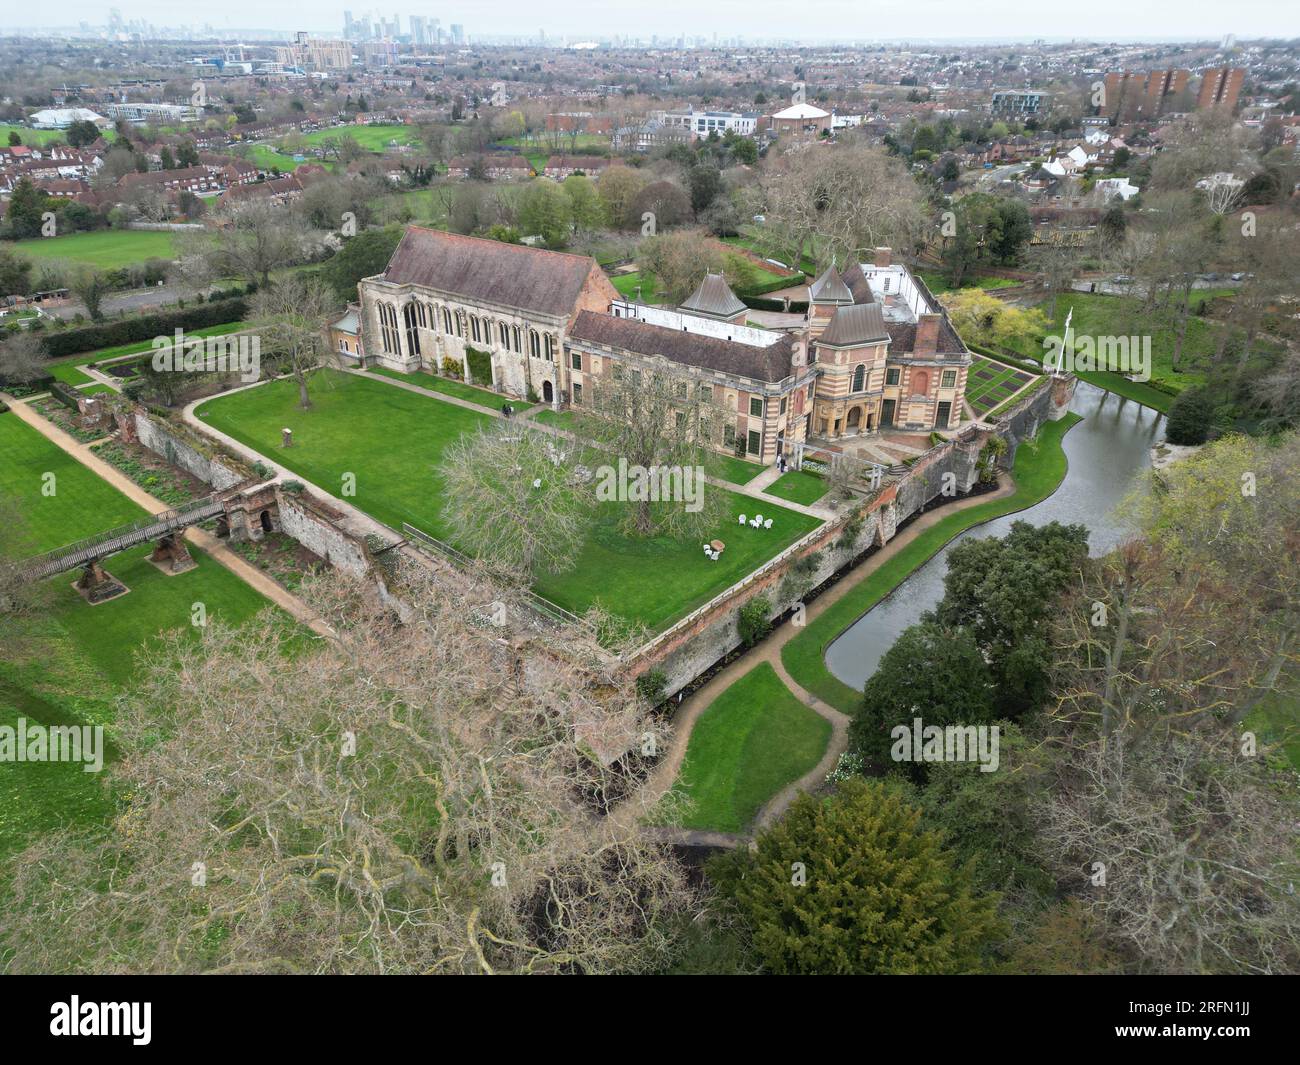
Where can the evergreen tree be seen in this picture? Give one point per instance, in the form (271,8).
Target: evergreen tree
(853,885)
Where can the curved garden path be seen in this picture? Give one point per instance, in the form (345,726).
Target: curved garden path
(768,650)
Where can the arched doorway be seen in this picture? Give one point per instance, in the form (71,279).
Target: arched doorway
(548,392)
(223,527)
(855,419)
(265,519)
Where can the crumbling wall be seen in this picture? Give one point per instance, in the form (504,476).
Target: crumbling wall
(307,522)
(178,446)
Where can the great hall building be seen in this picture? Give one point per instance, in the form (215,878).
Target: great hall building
(875,351)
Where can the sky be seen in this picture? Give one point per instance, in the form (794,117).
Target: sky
(862,20)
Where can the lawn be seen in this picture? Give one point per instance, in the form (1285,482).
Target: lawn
(1098,315)
(450,387)
(80,504)
(627,285)
(39,137)
(730,468)
(392,440)
(753,740)
(73,659)
(799,487)
(558,419)
(105,249)
(1038,472)
(937,283)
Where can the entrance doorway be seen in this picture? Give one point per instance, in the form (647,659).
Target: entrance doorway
(548,392)
(945,412)
(887,413)
(855,419)
(265,519)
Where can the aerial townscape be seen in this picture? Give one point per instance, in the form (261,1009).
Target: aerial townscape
(812,495)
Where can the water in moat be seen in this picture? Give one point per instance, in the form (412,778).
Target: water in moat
(1106,451)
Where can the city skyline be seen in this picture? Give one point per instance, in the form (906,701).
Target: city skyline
(831,20)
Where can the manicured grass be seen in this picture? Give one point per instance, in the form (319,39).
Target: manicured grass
(449,387)
(38,137)
(730,468)
(799,487)
(80,504)
(105,249)
(68,664)
(392,441)
(1039,469)
(373,138)
(627,286)
(752,741)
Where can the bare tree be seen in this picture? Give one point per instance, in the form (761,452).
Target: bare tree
(657,420)
(417,796)
(259,238)
(22,359)
(289,318)
(841,203)
(1165,652)
(516,498)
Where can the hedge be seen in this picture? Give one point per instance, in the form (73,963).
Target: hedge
(762,303)
(774,285)
(143,327)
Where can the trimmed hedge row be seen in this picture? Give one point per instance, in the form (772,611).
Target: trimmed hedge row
(143,327)
(762,303)
(774,285)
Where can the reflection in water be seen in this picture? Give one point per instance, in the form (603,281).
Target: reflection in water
(1106,451)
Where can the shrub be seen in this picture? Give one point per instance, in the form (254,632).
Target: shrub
(451,367)
(480,366)
(650,686)
(752,620)
(1190,417)
(144,327)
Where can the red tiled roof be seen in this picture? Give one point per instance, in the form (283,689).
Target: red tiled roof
(512,275)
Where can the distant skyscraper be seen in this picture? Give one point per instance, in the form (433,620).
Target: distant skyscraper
(457,33)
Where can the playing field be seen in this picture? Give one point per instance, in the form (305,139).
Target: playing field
(105,249)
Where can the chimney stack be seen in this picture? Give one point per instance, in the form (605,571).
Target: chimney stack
(927,334)
(883,256)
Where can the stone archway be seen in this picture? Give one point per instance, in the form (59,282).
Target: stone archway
(854,422)
(548,392)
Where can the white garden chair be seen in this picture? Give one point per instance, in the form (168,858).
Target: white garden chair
(767,524)
(742,519)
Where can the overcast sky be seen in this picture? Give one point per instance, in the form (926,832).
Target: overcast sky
(807,19)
